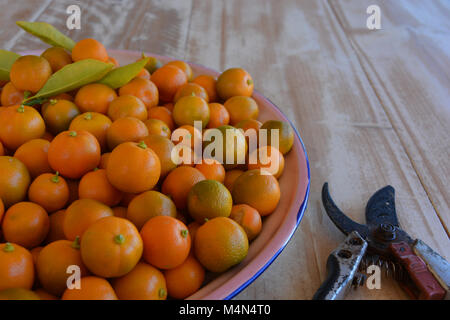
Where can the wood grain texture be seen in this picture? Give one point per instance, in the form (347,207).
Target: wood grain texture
(411,81)
(371,106)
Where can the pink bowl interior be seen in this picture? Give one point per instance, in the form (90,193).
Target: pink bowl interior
(279,227)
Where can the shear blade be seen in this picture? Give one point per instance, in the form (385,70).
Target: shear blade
(342,222)
(381,208)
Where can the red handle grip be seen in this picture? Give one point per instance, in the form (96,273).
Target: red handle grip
(425,283)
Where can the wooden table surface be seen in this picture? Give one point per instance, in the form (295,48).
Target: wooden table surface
(372,106)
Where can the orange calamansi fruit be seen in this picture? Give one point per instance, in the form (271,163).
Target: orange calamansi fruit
(179,182)
(81,214)
(53,262)
(168,79)
(95,97)
(19,124)
(14,180)
(25,223)
(183,66)
(212,170)
(89,49)
(111,247)
(191,89)
(30,73)
(166,242)
(285,135)
(234,82)
(126,129)
(59,114)
(93,122)
(95,185)
(185,279)
(144,282)
(91,288)
(209,199)
(127,106)
(49,191)
(158,127)
(258,189)
(133,167)
(220,243)
(57,57)
(209,84)
(34,154)
(16,267)
(143,89)
(163,148)
(218,115)
(162,114)
(74,153)
(144,74)
(241,108)
(189,109)
(147,205)
(11,96)
(248,218)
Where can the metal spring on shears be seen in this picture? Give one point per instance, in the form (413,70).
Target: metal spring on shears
(390,269)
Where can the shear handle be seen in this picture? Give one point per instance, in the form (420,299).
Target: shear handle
(342,266)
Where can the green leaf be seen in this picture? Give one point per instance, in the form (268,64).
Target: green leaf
(73,76)
(121,76)
(47,33)
(7,58)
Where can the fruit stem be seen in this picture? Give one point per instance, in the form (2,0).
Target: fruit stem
(119,239)
(142,145)
(55,178)
(26,94)
(76,243)
(249,82)
(8,247)
(184,233)
(161,292)
(53,102)
(21,109)
(73,133)
(88,116)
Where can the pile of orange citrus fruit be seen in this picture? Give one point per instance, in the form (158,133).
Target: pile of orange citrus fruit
(93,204)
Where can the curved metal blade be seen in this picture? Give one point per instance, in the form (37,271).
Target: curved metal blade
(381,208)
(342,222)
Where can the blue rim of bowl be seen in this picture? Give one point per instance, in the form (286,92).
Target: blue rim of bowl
(300,214)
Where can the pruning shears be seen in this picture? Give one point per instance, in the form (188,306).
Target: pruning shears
(420,271)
